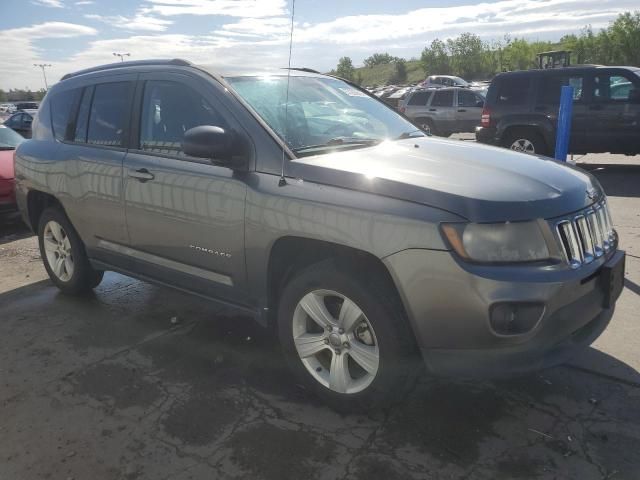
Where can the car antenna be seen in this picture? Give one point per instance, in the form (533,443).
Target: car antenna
(282,182)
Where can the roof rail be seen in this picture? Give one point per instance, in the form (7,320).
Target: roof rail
(175,61)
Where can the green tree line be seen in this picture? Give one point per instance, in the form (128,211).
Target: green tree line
(470,57)
(18,94)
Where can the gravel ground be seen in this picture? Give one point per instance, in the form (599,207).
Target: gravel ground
(137,381)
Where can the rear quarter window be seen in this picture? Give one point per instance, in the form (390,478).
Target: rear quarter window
(419,98)
(513,91)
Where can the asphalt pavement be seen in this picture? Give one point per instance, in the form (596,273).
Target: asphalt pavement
(141,382)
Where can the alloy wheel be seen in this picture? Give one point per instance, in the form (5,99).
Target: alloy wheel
(523,145)
(57,247)
(335,341)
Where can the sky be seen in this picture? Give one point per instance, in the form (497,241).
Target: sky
(242,35)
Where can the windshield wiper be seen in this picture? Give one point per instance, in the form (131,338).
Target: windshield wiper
(340,142)
(410,134)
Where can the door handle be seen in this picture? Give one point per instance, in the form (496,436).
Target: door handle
(595,107)
(433,109)
(462,109)
(142,175)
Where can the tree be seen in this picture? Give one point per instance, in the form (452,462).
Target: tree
(399,71)
(3,96)
(624,35)
(435,59)
(467,53)
(345,68)
(379,59)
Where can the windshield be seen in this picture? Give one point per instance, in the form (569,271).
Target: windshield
(323,113)
(27,106)
(9,139)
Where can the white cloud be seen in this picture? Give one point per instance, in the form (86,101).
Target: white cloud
(49,3)
(50,30)
(255,42)
(84,2)
(138,22)
(232,8)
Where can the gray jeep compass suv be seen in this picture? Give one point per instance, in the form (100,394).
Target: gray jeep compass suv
(317,209)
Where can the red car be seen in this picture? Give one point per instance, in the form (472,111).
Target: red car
(9,140)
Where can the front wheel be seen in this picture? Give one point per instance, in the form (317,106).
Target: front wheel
(345,337)
(64,255)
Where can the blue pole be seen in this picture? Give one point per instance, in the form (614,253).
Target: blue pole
(563,131)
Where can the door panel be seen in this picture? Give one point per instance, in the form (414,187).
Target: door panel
(441,109)
(469,111)
(93,157)
(184,215)
(615,113)
(548,103)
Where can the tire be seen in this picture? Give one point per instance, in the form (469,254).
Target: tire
(64,255)
(381,329)
(525,141)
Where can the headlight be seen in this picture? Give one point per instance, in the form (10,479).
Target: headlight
(497,242)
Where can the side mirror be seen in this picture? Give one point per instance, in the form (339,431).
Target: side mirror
(480,103)
(213,143)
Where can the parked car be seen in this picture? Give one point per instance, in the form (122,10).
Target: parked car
(9,140)
(361,240)
(521,111)
(29,107)
(440,81)
(444,111)
(396,97)
(21,123)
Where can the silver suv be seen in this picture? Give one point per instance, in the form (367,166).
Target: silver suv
(444,111)
(328,217)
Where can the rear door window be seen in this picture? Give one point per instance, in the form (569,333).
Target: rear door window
(62,105)
(513,91)
(551,87)
(468,99)
(108,114)
(442,98)
(419,98)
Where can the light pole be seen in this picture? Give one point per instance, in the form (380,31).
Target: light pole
(43,66)
(121,55)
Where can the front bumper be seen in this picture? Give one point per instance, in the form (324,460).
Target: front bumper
(449,305)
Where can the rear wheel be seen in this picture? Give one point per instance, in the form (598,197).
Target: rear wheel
(525,141)
(63,254)
(348,343)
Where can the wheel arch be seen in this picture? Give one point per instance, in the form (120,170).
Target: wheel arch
(37,202)
(290,254)
(541,126)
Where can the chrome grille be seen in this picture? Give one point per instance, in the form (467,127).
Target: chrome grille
(587,235)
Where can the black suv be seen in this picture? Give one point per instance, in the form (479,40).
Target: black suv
(521,110)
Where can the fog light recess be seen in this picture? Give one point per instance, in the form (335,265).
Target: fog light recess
(515,318)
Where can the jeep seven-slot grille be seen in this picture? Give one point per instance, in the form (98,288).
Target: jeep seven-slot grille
(586,235)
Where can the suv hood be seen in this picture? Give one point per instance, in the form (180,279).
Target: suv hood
(478,182)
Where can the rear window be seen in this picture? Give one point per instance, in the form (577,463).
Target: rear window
(513,91)
(442,99)
(419,98)
(108,114)
(62,104)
